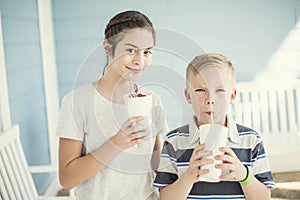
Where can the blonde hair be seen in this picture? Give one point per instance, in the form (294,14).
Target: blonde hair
(207,60)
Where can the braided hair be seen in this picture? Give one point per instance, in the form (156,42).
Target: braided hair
(123,21)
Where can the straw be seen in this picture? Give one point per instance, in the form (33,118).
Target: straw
(131,86)
(212,118)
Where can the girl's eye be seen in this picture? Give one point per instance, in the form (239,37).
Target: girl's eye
(200,90)
(147,53)
(220,90)
(131,51)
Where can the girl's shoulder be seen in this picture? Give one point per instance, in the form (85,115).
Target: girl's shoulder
(79,94)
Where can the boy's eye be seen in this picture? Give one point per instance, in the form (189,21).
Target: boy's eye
(221,90)
(200,90)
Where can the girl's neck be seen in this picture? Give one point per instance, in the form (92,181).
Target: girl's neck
(113,88)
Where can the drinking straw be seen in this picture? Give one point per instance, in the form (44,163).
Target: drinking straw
(131,86)
(212,118)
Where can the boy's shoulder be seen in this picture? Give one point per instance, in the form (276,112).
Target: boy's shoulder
(244,130)
(179,130)
(241,128)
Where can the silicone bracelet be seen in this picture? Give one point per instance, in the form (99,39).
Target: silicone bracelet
(248,178)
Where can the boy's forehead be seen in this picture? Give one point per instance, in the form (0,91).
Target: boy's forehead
(211,75)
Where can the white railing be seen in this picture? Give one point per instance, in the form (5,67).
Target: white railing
(274,112)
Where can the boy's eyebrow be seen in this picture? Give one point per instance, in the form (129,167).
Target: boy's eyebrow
(200,86)
(205,86)
(134,46)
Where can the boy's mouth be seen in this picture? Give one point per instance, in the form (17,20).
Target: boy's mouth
(209,112)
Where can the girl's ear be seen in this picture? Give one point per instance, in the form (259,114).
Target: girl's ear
(187,96)
(106,47)
(232,96)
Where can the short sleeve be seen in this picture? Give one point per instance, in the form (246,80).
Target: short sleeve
(261,168)
(70,121)
(167,172)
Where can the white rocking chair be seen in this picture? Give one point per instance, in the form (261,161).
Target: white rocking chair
(16,180)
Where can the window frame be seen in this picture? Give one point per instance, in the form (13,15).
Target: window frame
(4,100)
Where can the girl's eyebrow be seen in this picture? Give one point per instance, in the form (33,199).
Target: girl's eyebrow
(134,46)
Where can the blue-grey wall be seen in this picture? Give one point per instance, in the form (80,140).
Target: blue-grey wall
(25,81)
(248,32)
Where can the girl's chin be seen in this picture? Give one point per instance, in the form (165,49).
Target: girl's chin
(135,76)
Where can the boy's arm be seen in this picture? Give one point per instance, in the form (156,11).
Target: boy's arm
(239,172)
(255,189)
(181,188)
(178,190)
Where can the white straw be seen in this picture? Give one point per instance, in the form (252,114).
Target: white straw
(131,86)
(212,118)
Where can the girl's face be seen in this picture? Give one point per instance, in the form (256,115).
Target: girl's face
(132,53)
(210,92)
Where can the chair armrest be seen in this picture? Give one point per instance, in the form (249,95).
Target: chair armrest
(55,198)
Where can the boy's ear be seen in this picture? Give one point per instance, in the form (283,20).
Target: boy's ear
(187,96)
(106,47)
(232,96)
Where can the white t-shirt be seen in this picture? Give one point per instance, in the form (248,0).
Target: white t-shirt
(87,116)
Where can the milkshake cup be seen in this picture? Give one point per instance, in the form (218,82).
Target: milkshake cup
(214,136)
(140,106)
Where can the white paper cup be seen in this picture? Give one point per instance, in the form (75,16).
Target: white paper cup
(139,106)
(214,136)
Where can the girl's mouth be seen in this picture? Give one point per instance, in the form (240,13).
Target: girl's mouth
(134,70)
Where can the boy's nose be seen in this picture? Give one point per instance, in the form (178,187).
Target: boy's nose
(210,101)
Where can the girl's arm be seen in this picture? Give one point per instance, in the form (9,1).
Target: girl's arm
(156,153)
(75,169)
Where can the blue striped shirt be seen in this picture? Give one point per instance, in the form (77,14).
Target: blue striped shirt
(178,149)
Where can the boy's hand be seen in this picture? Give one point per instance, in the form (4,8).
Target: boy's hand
(231,163)
(196,161)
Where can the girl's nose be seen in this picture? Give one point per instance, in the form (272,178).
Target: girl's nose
(139,59)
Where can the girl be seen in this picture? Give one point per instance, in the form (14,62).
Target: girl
(101,151)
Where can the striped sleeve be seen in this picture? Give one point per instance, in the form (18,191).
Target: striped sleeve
(167,171)
(261,167)
(252,153)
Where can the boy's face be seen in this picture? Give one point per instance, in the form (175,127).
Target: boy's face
(210,92)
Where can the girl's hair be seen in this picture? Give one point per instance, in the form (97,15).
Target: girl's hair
(123,21)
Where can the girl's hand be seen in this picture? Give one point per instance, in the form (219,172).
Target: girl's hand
(231,163)
(196,161)
(130,133)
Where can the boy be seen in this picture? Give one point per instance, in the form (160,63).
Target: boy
(211,89)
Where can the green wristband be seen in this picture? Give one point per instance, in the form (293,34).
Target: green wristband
(248,178)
